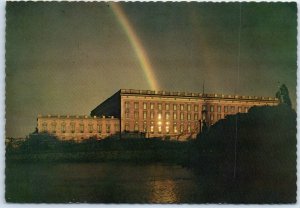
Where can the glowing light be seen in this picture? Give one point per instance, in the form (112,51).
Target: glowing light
(163,191)
(159,123)
(167,129)
(159,116)
(136,45)
(167,116)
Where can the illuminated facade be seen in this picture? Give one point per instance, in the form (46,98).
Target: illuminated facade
(78,127)
(177,115)
(174,115)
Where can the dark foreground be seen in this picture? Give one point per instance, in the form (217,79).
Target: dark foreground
(246,158)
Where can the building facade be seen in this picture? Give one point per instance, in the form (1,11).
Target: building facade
(173,115)
(177,115)
(78,127)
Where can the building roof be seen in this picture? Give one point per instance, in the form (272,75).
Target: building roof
(194,95)
(75,116)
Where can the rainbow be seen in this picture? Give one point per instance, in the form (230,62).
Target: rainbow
(136,45)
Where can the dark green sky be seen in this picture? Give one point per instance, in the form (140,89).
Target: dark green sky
(66,58)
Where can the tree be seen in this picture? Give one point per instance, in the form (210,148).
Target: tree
(204,127)
(283,95)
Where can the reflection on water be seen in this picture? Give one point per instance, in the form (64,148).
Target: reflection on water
(101,183)
(163,192)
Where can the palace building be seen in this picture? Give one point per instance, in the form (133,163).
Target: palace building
(173,115)
(78,127)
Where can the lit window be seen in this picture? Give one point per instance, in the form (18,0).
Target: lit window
(136,105)
(126,126)
(63,127)
(99,127)
(152,127)
(159,106)
(232,109)
(167,129)
(181,107)
(175,128)
(145,106)
(239,109)
(196,116)
(225,109)
(107,128)
(151,115)
(167,116)
(189,129)
(167,106)
(145,114)
(181,128)
(174,107)
(91,128)
(174,115)
(159,129)
(189,107)
(211,108)
(136,126)
(145,126)
(81,128)
(159,115)
(181,116)
(219,116)
(127,106)
(189,116)
(136,115)
(203,116)
(44,128)
(151,106)
(72,127)
(246,109)
(204,107)
(196,108)
(53,127)
(219,109)
(211,117)
(126,114)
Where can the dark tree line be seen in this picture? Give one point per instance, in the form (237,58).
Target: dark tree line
(249,157)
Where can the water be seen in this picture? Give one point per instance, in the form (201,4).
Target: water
(101,183)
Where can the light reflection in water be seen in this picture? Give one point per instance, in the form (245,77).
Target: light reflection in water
(163,191)
(101,183)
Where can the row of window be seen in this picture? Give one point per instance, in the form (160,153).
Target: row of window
(189,116)
(188,107)
(53,128)
(160,106)
(159,128)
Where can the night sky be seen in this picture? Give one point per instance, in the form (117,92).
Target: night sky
(66,58)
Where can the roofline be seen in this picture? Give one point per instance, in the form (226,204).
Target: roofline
(194,95)
(75,116)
